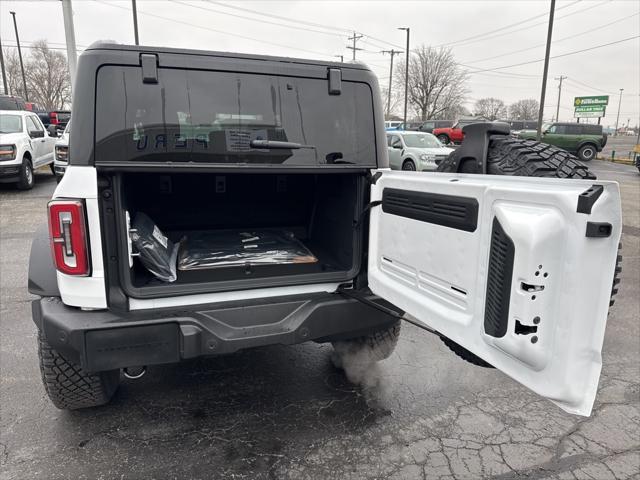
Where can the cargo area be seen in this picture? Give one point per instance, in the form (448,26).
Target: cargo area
(237,231)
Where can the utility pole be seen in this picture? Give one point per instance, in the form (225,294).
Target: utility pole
(559,94)
(4,73)
(135,22)
(24,79)
(341,57)
(354,38)
(552,10)
(70,37)
(618,116)
(406,74)
(392,52)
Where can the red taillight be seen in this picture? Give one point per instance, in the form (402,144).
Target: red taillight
(68,234)
(53,118)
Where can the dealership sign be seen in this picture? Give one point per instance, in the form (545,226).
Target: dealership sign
(602,100)
(590,107)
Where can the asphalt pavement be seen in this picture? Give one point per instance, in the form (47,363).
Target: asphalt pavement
(286,412)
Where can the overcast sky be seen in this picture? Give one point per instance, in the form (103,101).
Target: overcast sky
(484,35)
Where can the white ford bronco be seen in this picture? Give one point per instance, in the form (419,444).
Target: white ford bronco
(215,202)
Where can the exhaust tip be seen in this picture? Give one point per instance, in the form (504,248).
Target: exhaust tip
(138,372)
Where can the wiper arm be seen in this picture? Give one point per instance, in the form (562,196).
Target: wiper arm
(276,145)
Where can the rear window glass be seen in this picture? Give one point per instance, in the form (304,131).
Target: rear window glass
(591,129)
(207,116)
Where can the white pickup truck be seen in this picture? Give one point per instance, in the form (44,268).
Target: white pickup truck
(24,146)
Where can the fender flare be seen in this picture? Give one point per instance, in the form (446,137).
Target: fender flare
(43,280)
(588,142)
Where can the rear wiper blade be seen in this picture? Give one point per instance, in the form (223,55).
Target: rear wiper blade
(275,145)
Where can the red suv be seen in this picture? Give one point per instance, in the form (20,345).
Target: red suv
(452,134)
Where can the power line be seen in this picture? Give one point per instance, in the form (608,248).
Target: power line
(555,41)
(304,22)
(192,25)
(490,36)
(463,40)
(570,79)
(279,17)
(558,56)
(333,34)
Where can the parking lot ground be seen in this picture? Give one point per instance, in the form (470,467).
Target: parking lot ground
(285,412)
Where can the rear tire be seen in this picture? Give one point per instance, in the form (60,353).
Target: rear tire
(527,158)
(409,165)
(26,175)
(68,386)
(587,152)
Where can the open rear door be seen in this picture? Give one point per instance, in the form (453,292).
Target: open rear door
(516,270)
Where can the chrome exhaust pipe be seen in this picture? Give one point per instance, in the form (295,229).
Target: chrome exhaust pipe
(134,376)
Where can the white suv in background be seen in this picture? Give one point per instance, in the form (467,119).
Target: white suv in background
(24,146)
(61,152)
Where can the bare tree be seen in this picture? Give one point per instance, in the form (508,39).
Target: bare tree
(14,77)
(436,82)
(490,108)
(526,109)
(396,100)
(47,75)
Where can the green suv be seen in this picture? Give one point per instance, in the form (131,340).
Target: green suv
(580,138)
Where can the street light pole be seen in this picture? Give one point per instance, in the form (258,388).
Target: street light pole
(559,94)
(406,75)
(70,37)
(24,79)
(618,116)
(4,73)
(552,10)
(135,22)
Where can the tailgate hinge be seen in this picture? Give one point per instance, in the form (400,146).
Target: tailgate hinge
(149,64)
(334,77)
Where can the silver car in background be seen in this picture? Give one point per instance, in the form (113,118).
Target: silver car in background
(415,151)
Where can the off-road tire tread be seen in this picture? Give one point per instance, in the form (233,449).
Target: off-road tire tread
(68,386)
(528,158)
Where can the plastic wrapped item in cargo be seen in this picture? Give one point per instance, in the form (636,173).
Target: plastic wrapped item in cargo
(157,253)
(232,248)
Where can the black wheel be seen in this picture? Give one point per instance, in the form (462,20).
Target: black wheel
(53,169)
(587,152)
(26,175)
(409,165)
(444,139)
(68,386)
(374,347)
(527,158)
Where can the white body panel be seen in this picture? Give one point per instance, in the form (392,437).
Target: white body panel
(88,292)
(415,264)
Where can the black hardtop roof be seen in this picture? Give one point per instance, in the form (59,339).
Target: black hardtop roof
(208,53)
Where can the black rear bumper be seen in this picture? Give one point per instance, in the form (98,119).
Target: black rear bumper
(105,340)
